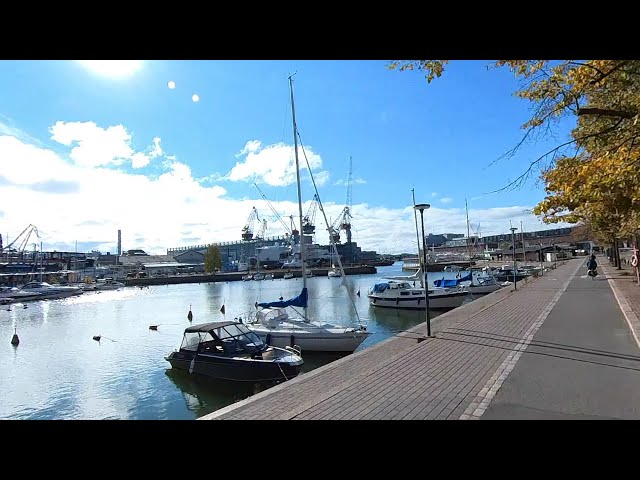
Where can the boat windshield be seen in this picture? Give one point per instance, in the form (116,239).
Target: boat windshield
(238,332)
(191,341)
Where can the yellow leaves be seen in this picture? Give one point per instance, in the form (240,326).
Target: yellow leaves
(431,68)
(601,185)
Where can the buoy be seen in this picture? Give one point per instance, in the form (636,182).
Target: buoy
(153,327)
(281,298)
(25,306)
(15,340)
(97,337)
(190,315)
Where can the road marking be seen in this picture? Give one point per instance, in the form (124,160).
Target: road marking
(627,311)
(481,402)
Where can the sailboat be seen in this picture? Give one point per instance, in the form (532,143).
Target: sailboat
(272,322)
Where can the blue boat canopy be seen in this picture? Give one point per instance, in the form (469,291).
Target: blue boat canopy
(299,301)
(452,283)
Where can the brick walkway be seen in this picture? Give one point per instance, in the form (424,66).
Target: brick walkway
(627,292)
(452,375)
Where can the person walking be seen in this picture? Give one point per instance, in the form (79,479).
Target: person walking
(592,267)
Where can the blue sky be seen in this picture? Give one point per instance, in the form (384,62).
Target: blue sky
(108,150)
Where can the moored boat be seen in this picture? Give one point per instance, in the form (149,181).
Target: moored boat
(228,350)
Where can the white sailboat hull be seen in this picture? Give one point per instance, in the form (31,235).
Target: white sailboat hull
(310,337)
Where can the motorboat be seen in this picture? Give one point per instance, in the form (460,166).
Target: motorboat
(269,276)
(228,350)
(247,278)
(404,295)
(47,290)
(109,284)
(258,276)
(479,285)
(288,275)
(334,272)
(275,327)
(13,294)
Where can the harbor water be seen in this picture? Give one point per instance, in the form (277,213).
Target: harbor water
(58,371)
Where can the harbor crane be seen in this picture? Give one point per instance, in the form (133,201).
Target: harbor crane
(346,212)
(262,233)
(286,228)
(24,235)
(343,221)
(247,230)
(334,228)
(309,220)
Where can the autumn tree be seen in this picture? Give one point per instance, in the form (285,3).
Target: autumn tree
(212,259)
(593,176)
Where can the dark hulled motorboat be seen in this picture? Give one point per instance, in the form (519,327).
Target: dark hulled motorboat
(230,351)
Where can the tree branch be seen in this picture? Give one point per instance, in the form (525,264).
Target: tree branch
(605,75)
(605,112)
(526,174)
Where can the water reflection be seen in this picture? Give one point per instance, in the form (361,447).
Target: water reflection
(203,395)
(59,371)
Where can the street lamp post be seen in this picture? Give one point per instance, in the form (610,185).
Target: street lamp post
(513,241)
(421,207)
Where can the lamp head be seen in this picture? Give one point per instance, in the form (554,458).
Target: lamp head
(422,207)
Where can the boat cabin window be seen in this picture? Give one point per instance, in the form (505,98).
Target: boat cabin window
(190,341)
(239,336)
(405,293)
(417,293)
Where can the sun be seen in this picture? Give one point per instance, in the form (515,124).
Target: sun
(112,68)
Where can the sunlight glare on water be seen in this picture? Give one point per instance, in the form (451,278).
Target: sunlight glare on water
(59,372)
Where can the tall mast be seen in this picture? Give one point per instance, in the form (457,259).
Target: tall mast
(468,233)
(295,151)
(524,256)
(423,269)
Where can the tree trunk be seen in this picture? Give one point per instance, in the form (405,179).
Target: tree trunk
(617,249)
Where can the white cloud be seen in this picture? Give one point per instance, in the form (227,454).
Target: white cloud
(273,164)
(95,146)
(175,209)
(7,128)
(195,98)
(250,146)
(343,183)
(321,178)
(446,199)
(434,194)
(171,84)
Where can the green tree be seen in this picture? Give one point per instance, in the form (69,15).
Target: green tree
(593,177)
(212,259)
